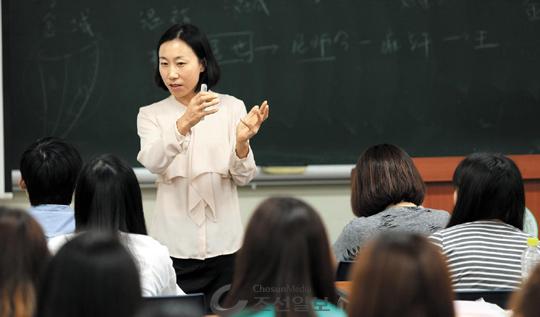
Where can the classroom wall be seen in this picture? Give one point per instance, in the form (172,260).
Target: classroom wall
(332,201)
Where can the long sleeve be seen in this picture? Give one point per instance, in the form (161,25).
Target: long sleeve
(160,144)
(242,170)
(197,213)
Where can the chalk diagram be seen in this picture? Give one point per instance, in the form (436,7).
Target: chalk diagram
(67,81)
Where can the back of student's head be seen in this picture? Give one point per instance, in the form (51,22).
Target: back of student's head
(49,169)
(384,175)
(525,302)
(285,255)
(23,258)
(91,275)
(400,274)
(488,186)
(108,197)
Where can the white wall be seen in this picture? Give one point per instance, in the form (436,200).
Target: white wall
(332,202)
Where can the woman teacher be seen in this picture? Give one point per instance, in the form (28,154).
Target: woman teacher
(197,143)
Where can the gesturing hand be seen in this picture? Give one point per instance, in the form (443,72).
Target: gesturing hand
(198,108)
(251,123)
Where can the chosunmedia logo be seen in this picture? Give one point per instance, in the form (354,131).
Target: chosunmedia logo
(279,294)
(218,309)
(258,288)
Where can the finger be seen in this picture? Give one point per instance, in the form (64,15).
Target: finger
(198,100)
(254,110)
(207,96)
(260,117)
(253,114)
(266,112)
(264,105)
(210,111)
(244,122)
(207,93)
(250,117)
(205,105)
(252,128)
(263,112)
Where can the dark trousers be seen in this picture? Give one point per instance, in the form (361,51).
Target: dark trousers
(205,276)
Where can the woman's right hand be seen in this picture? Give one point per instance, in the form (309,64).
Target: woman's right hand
(197,109)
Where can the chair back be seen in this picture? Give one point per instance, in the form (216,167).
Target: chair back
(343,270)
(530,224)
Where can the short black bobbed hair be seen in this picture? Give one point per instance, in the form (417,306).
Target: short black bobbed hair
(489,186)
(384,175)
(196,39)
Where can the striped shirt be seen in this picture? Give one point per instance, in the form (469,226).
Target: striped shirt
(483,255)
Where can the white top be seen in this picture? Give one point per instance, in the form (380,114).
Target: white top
(478,308)
(197,214)
(156,272)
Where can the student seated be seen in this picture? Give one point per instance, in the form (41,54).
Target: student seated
(91,275)
(400,274)
(484,241)
(284,267)
(387,192)
(49,169)
(108,198)
(23,258)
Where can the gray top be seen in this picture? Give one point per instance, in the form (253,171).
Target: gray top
(411,219)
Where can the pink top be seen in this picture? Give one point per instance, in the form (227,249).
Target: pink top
(197,212)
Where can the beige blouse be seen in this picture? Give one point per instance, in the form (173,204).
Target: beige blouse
(197,214)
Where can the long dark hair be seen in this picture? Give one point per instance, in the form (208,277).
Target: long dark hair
(285,257)
(108,197)
(91,275)
(23,258)
(384,175)
(400,274)
(489,186)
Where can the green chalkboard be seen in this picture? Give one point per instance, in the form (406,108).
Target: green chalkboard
(437,77)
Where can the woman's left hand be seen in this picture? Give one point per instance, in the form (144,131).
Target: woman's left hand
(251,123)
(249,126)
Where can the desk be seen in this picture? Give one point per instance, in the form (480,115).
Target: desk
(343,289)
